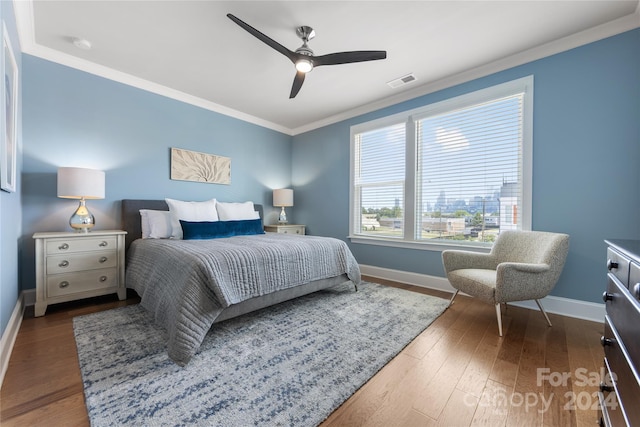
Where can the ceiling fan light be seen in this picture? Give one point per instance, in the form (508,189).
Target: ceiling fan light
(304,65)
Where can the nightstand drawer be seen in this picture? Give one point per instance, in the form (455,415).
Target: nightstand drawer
(81,261)
(66,284)
(81,244)
(285,229)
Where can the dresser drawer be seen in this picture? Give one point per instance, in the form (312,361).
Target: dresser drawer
(625,378)
(81,261)
(610,412)
(624,312)
(634,280)
(80,244)
(66,284)
(618,265)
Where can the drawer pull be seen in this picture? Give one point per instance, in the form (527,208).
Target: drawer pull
(63,264)
(63,246)
(636,291)
(606,296)
(605,388)
(63,285)
(604,341)
(103,244)
(103,278)
(611,265)
(103,259)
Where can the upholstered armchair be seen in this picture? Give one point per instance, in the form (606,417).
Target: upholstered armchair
(522,265)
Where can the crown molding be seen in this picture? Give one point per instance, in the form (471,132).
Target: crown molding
(26,32)
(612,28)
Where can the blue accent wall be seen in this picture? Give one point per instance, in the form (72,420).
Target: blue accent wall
(72,118)
(10,203)
(586,162)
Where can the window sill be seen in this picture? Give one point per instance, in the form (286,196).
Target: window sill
(419,245)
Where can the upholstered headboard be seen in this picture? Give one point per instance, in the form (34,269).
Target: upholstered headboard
(131,216)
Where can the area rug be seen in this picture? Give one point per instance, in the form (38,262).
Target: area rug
(288,365)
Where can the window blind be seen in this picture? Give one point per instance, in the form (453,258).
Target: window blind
(469,169)
(379,181)
(456,172)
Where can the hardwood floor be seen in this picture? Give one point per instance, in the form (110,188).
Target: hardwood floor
(458,372)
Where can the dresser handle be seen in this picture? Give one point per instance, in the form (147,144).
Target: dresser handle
(63,246)
(103,278)
(604,341)
(606,296)
(103,259)
(636,290)
(611,265)
(605,388)
(63,264)
(63,285)
(103,244)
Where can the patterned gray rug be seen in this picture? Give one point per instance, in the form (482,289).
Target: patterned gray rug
(287,365)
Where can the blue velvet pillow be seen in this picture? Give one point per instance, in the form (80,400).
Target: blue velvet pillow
(199,230)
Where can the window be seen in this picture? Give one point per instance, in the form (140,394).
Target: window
(452,173)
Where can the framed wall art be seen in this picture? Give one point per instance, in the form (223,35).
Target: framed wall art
(9,113)
(200,167)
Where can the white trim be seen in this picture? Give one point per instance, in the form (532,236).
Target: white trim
(523,86)
(10,334)
(552,304)
(26,31)
(609,29)
(423,245)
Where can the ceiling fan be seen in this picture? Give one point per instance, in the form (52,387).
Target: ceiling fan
(303,57)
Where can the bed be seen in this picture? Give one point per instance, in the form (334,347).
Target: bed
(189,285)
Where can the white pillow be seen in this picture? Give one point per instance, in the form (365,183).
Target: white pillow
(236,211)
(155,224)
(190,211)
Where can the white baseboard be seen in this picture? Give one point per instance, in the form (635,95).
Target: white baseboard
(558,305)
(10,334)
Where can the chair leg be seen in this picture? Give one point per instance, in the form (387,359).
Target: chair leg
(451,300)
(544,313)
(499,315)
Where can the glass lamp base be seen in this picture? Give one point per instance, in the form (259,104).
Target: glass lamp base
(82,221)
(282,219)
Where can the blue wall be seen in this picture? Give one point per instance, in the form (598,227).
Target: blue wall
(10,203)
(72,118)
(586,173)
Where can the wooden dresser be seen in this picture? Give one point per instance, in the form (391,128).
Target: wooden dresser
(620,389)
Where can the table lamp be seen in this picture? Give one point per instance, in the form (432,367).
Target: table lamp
(281,198)
(83,184)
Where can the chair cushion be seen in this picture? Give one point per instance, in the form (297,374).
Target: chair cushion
(476,282)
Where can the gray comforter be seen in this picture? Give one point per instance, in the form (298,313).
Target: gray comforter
(187,283)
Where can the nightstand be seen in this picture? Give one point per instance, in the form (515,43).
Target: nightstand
(71,266)
(285,228)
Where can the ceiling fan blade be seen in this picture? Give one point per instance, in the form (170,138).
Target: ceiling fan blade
(297,84)
(349,57)
(264,38)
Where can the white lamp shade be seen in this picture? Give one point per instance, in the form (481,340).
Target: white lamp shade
(78,183)
(283,197)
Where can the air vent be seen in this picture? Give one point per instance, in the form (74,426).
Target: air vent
(402,80)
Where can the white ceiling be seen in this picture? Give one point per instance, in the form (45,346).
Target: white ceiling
(190,50)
